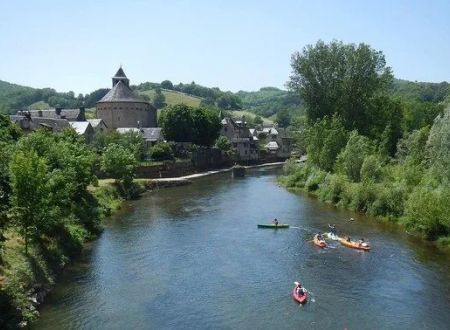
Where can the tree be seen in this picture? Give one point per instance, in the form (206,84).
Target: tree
(29,188)
(229,101)
(159,100)
(338,78)
(325,139)
(166,84)
(182,123)
(119,163)
(258,120)
(206,126)
(176,122)
(351,158)
(283,118)
(223,143)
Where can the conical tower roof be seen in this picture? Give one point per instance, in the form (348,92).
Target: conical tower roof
(120,73)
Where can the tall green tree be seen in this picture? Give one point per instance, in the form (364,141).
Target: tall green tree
(338,78)
(325,139)
(119,163)
(182,123)
(29,190)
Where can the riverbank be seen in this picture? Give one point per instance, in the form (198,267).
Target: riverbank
(27,278)
(384,200)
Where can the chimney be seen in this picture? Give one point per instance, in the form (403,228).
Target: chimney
(39,113)
(82,114)
(58,111)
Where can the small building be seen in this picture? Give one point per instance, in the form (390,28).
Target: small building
(151,135)
(277,141)
(59,113)
(83,128)
(241,139)
(98,125)
(29,124)
(121,107)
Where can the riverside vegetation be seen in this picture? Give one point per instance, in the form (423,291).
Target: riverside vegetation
(51,202)
(368,149)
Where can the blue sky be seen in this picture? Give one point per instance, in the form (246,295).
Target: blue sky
(234,45)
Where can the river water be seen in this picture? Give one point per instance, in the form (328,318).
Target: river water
(192,258)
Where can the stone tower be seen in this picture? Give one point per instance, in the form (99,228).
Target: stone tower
(121,107)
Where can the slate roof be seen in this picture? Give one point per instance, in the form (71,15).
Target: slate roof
(69,114)
(95,122)
(272,146)
(120,73)
(38,122)
(151,134)
(121,93)
(80,126)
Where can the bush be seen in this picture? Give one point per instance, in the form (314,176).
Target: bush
(428,211)
(371,169)
(161,151)
(332,188)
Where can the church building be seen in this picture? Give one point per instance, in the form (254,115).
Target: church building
(121,107)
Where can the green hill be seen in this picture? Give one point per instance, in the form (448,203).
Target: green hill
(268,101)
(174,97)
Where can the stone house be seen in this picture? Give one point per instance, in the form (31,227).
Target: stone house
(241,139)
(98,125)
(29,124)
(121,107)
(60,113)
(151,135)
(83,128)
(277,140)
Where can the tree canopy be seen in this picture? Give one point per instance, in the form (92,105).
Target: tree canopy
(182,123)
(338,78)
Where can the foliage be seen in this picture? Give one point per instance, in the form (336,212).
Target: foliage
(269,101)
(325,139)
(427,211)
(223,143)
(338,78)
(257,120)
(181,123)
(159,100)
(351,158)
(283,118)
(166,84)
(29,191)
(161,151)
(119,163)
(438,147)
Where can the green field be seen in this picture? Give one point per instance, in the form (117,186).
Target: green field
(249,116)
(174,97)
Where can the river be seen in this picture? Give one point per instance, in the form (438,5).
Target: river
(192,257)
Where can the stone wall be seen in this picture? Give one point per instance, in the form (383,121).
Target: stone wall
(126,114)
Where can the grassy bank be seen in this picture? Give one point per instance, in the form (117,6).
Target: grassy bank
(25,278)
(393,197)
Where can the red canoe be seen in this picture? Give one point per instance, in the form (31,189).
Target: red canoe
(299,298)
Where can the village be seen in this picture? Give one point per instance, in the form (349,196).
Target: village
(124,111)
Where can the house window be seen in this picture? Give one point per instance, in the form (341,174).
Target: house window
(235,144)
(225,129)
(245,151)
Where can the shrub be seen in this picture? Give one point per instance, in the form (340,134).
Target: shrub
(332,188)
(161,151)
(427,211)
